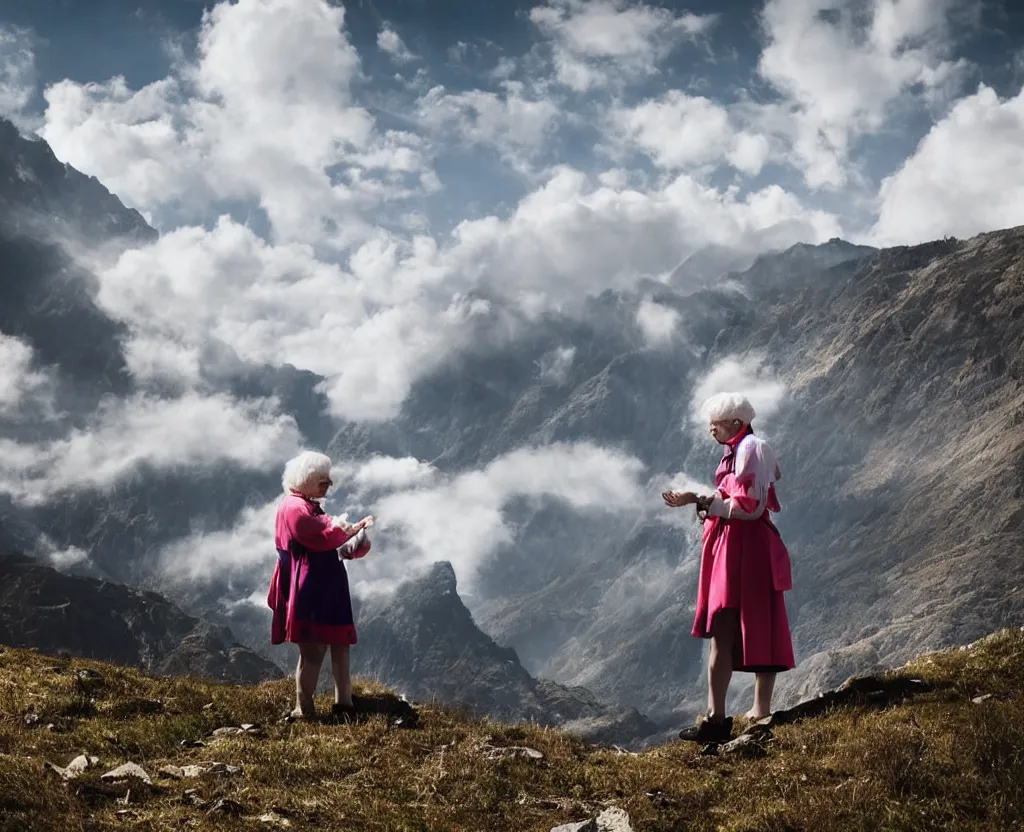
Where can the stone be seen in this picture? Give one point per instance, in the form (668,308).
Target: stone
(582,826)
(89,680)
(274,819)
(229,731)
(75,768)
(126,772)
(202,769)
(613,819)
(226,806)
(513,751)
(170,772)
(747,745)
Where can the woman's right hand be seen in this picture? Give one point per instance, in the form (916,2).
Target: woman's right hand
(678,499)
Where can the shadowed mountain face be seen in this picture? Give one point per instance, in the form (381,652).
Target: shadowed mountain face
(49,611)
(900,441)
(423,641)
(904,452)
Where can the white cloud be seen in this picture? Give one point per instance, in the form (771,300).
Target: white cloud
(25,392)
(740,374)
(841,68)
(17,72)
(240,552)
(554,366)
(372,332)
(657,322)
(574,236)
(966,176)
(388,473)
(461,518)
(192,431)
(266,114)
(511,122)
(389,41)
(600,42)
(61,557)
(679,131)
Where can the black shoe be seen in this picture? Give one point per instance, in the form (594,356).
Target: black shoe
(708,730)
(343,713)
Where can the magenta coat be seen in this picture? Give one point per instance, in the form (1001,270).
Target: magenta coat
(309,591)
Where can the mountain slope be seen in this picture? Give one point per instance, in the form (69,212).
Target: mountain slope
(424,642)
(906,475)
(939,749)
(47,610)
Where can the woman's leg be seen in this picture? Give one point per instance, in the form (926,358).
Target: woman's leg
(307,672)
(342,677)
(724,632)
(764,686)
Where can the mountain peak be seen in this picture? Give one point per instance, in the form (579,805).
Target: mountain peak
(441,577)
(35,184)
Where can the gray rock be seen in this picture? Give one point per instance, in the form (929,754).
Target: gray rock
(75,768)
(513,751)
(612,819)
(227,806)
(128,771)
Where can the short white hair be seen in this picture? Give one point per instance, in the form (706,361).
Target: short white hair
(728,406)
(299,470)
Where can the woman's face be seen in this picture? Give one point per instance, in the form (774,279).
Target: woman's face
(319,486)
(725,429)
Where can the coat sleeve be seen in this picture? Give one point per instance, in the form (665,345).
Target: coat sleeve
(744,495)
(316,533)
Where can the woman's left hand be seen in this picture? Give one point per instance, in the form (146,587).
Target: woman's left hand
(678,499)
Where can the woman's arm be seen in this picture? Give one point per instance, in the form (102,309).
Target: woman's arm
(744,495)
(317,532)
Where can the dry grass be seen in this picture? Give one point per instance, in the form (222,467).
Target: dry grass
(937,762)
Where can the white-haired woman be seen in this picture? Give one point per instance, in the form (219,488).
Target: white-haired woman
(309,591)
(744,568)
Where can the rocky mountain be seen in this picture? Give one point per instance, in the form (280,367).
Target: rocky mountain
(47,610)
(424,642)
(906,451)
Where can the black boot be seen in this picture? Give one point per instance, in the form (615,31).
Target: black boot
(708,730)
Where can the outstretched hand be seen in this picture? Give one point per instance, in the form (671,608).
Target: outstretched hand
(678,499)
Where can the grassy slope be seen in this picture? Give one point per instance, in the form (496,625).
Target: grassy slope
(937,761)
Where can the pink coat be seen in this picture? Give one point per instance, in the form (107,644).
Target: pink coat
(309,592)
(744,563)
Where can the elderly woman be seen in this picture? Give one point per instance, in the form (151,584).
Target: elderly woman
(744,568)
(309,591)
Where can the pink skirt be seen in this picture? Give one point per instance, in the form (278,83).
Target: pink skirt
(745,567)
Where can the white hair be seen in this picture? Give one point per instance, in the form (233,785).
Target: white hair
(300,470)
(726,406)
